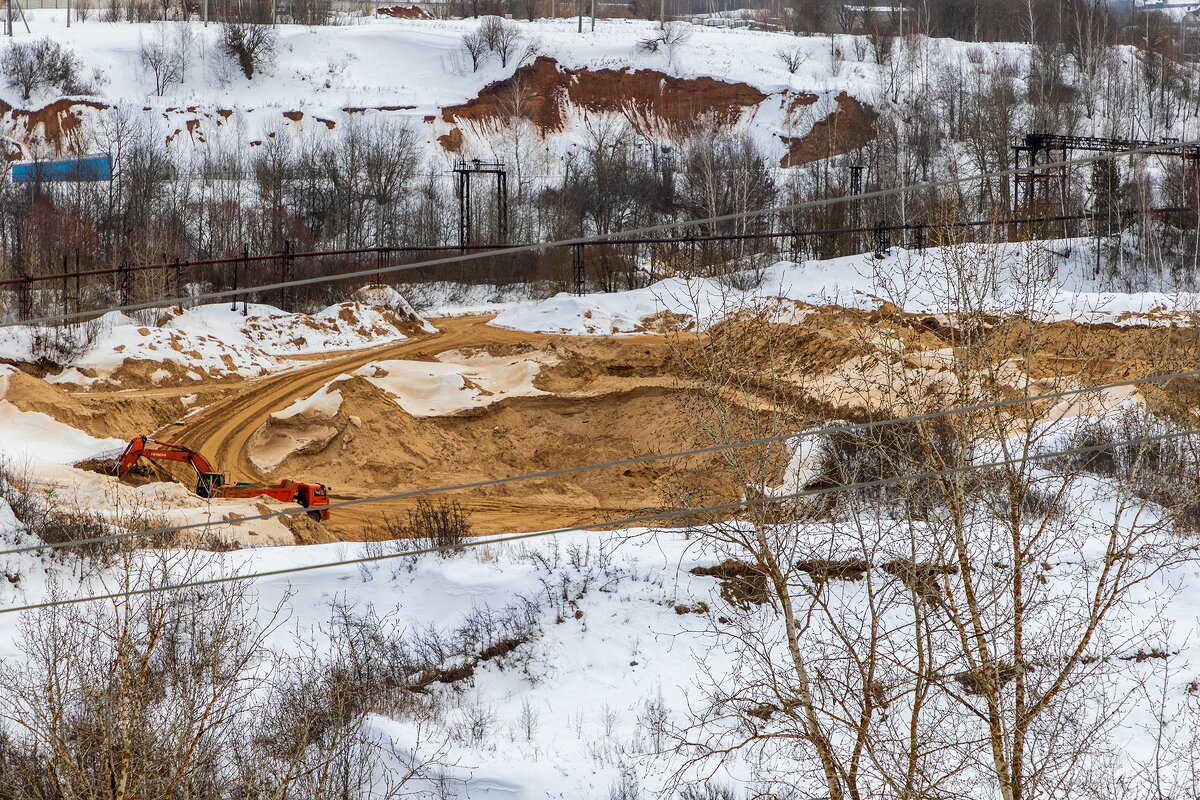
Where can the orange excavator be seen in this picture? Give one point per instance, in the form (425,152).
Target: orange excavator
(211,483)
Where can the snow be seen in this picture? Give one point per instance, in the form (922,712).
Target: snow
(409,70)
(325,402)
(33,436)
(588,679)
(413,68)
(917,281)
(457,381)
(28,437)
(345,326)
(205,342)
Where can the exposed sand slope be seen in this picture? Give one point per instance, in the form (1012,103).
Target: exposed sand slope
(475,402)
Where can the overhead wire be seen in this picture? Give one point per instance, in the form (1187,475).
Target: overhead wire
(715,448)
(602,237)
(618,524)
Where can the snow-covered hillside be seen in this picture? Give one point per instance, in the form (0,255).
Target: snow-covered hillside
(607,648)
(325,78)
(409,70)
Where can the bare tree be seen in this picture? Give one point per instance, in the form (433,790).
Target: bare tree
(508,43)
(31,65)
(668,40)
(160,57)
(928,634)
(136,696)
(476,48)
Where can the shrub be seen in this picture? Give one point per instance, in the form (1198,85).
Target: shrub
(1163,471)
(854,455)
(61,345)
(249,45)
(439,524)
(42,64)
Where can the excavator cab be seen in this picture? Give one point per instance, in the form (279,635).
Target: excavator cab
(207,483)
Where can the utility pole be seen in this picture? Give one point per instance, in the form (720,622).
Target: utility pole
(593,16)
(579,14)
(68,13)
(8,18)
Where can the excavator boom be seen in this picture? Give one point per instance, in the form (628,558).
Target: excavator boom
(163,451)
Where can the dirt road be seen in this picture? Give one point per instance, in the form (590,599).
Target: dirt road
(222,432)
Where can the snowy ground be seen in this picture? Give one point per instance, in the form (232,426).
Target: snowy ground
(1057,282)
(571,711)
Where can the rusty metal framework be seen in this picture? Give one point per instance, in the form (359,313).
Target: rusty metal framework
(464,170)
(883,236)
(1046,190)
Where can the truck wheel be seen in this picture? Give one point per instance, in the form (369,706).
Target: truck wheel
(315,516)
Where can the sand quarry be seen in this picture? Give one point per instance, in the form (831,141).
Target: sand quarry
(459,401)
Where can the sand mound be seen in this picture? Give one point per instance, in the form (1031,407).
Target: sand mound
(119,416)
(304,428)
(503,403)
(379,448)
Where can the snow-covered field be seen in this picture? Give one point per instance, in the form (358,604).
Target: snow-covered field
(617,651)
(1058,282)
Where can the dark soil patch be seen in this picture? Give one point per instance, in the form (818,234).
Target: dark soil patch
(921,579)
(404,12)
(821,570)
(848,128)
(646,98)
(742,584)
(699,607)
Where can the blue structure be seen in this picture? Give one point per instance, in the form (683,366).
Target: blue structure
(71,168)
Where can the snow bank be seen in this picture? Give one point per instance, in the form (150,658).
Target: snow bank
(918,281)
(207,342)
(30,437)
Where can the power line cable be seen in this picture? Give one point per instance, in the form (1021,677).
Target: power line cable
(601,237)
(825,430)
(675,513)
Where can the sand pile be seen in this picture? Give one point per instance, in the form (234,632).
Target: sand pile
(503,403)
(120,416)
(503,410)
